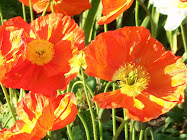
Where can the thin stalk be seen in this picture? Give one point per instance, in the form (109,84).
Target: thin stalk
(90,106)
(133,134)
(106,87)
(74,84)
(150,17)
(31,10)
(52,8)
(131,130)
(45,10)
(148,129)
(69,131)
(141,134)
(85,126)
(49,135)
(120,129)
(22,94)
(89,21)
(113,116)
(136,13)
(1,16)
(119,21)
(8,101)
(105,28)
(97,108)
(126,126)
(183,37)
(24,13)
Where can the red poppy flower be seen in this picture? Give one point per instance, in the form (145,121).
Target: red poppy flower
(151,80)
(66,7)
(49,42)
(38,114)
(112,9)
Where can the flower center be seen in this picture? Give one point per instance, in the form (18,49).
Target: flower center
(132,79)
(40,52)
(182,4)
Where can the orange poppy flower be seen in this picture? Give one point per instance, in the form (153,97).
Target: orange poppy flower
(38,114)
(151,80)
(113,9)
(49,42)
(66,7)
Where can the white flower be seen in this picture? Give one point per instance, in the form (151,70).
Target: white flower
(175,9)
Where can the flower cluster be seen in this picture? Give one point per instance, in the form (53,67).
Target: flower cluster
(45,55)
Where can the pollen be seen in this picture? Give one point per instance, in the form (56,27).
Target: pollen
(132,79)
(40,52)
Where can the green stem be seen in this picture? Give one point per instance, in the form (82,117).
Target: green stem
(31,10)
(49,135)
(136,13)
(150,17)
(52,8)
(113,116)
(89,21)
(107,85)
(183,37)
(120,129)
(141,134)
(45,10)
(126,125)
(131,130)
(69,131)
(148,129)
(85,126)
(105,28)
(90,106)
(8,101)
(74,84)
(119,21)
(24,13)
(1,16)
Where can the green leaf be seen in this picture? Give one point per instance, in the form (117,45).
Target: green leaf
(91,82)
(77,133)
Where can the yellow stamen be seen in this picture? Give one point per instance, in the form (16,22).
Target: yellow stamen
(132,79)
(40,52)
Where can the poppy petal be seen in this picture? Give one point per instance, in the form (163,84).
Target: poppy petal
(65,110)
(104,52)
(113,9)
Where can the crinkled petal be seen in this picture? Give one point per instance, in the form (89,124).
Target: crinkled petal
(37,112)
(102,55)
(167,78)
(112,9)
(65,110)
(56,27)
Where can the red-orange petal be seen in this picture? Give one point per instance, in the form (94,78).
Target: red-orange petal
(65,110)
(66,7)
(16,133)
(112,9)
(102,55)
(56,27)
(144,49)
(37,112)
(71,7)
(12,44)
(168,76)
(143,107)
